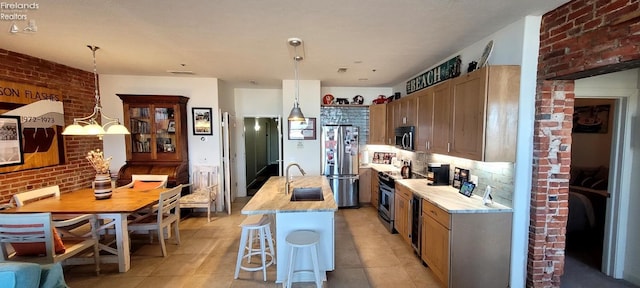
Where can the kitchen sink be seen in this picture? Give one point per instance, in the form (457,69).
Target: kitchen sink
(307,194)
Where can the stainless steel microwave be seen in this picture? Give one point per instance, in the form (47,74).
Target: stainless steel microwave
(405,137)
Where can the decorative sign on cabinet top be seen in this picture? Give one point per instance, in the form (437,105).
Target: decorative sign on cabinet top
(444,71)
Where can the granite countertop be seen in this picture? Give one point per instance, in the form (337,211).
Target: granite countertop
(271,198)
(448,198)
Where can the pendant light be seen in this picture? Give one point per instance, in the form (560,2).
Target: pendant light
(296,112)
(110,126)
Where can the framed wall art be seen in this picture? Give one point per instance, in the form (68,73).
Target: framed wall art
(201,121)
(591,119)
(10,141)
(302,130)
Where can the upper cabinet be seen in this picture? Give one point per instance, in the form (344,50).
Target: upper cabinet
(377,124)
(158,140)
(484,114)
(433,118)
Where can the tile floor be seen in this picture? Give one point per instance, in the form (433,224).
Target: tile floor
(366,256)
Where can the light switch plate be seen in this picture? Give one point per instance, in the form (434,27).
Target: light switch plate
(473,179)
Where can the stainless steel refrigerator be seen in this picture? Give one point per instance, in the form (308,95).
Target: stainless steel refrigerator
(340,162)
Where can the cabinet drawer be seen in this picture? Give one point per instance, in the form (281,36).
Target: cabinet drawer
(404,191)
(436,213)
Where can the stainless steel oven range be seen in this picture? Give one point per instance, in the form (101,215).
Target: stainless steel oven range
(386,196)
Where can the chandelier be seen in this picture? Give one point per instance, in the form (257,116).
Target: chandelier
(296,112)
(89,125)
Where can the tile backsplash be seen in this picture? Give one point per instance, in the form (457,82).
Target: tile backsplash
(497,174)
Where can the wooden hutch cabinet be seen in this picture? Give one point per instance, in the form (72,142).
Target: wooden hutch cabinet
(158,140)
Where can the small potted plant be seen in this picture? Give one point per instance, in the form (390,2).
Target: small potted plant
(102,184)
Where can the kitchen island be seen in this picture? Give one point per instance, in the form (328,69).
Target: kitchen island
(298,215)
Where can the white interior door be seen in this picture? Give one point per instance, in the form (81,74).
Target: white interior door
(280,139)
(226,159)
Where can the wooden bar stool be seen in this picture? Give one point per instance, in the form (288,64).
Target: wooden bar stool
(262,225)
(299,240)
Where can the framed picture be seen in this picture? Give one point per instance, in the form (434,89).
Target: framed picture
(302,130)
(467,188)
(172,126)
(10,141)
(591,119)
(201,121)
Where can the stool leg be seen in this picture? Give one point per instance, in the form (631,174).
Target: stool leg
(250,246)
(316,265)
(241,249)
(271,245)
(292,256)
(263,254)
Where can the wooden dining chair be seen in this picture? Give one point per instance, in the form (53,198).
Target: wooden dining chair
(23,198)
(32,237)
(168,214)
(145,182)
(205,190)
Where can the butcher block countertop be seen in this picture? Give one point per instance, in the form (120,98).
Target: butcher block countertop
(448,198)
(272,199)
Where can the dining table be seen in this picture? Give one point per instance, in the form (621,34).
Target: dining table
(113,212)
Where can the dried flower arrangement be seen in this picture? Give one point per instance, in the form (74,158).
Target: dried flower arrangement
(97,160)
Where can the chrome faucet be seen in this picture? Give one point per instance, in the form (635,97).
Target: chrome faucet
(287,180)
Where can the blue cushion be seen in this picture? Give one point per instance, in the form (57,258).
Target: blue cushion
(31,275)
(51,276)
(19,275)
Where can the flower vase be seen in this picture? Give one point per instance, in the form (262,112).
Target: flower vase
(102,186)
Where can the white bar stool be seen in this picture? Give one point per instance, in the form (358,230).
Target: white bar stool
(298,240)
(262,225)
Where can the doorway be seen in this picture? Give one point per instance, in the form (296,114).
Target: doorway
(592,137)
(611,232)
(263,146)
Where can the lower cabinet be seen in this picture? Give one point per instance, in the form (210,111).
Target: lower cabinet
(375,189)
(466,249)
(402,221)
(364,183)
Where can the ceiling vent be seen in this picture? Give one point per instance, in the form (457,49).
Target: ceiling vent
(180,72)
(342,70)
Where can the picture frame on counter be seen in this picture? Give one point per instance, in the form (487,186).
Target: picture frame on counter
(467,188)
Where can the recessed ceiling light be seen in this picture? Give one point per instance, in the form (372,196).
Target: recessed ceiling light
(363,79)
(342,69)
(357,62)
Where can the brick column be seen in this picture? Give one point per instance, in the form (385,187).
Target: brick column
(550,187)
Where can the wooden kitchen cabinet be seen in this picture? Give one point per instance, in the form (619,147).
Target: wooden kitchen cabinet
(364,183)
(158,140)
(441,127)
(402,214)
(390,123)
(377,124)
(375,189)
(408,110)
(426,111)
(453,243)
(484,115)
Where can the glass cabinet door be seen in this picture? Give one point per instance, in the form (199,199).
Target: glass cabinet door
(140,128)
(165,130)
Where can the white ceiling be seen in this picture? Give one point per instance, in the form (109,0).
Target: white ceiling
(237,41)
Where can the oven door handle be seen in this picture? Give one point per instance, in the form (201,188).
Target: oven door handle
(384,217)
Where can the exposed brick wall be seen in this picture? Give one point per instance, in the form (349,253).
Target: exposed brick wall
(580,39)
(77,89)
